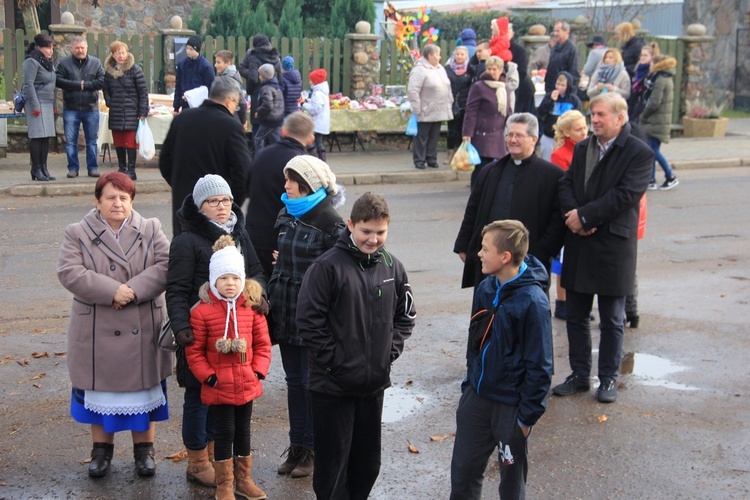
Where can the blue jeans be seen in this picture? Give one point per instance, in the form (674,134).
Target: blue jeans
(654,144)
(197,422)
(72,121)
(294,359)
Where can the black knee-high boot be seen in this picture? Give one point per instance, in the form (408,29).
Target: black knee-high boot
(132,153)
(122,165)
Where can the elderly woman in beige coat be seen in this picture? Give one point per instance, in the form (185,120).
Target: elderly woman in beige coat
(115,263)
(429,92)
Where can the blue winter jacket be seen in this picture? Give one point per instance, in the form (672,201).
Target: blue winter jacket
(514,365)
(291,86)
(191,74)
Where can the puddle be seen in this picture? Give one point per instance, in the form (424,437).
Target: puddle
(401,402)
(652,370)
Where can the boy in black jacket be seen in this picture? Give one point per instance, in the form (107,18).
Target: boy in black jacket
(509,368)
(270,110)
(354,312)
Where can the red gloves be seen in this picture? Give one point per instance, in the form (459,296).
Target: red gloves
(38,112)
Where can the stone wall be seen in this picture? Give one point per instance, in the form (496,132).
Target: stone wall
(127,16)
(722,18)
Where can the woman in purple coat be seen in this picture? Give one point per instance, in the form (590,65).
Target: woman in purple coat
(490,102)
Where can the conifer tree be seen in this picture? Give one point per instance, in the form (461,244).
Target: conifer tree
(290,23)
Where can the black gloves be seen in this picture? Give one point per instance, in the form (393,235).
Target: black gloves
(185,337)
(212,381)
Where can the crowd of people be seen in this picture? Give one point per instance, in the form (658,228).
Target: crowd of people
(325,289)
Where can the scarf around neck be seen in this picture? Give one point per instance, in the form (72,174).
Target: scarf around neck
(37,55)
(459,69)
(297,207)
(502,99)
(608,72)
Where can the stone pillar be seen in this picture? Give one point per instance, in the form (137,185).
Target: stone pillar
(175,31)
(697,50)
(62,34)
(533,42)
(365,61)
(580,30)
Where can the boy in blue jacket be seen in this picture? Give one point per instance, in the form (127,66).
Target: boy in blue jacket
(354,312)
(509,364)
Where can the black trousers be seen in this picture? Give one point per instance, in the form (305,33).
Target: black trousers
(612,319)
(426,143)
(232,430)
(481,427)
(347,440)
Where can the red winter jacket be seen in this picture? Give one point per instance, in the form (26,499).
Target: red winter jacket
(237,382)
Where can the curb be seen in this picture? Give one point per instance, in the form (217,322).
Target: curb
(442,175)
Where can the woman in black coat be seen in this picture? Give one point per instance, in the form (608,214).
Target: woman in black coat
(631,46)
(207,214)
(460,75)
(126,95)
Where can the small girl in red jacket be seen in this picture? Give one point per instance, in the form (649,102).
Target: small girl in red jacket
(230,355)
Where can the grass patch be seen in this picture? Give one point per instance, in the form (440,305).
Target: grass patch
(735,113)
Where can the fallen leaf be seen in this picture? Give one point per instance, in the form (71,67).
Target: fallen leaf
(38,386)
(447,353)
(177,457)
(61,353)
(442,437)
(22,362)
(602,418)
(421,400)
(408,382)
(87,461)
(412,448)
(35,377)
(40,355)
(78,194)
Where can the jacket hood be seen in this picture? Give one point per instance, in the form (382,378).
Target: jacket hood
(534,274)
(111,67)
(668,65)
(266,54)
(191,219)
(570,79)
(469,37)
(230,70)
(273,82)
(321,86)
(292,76)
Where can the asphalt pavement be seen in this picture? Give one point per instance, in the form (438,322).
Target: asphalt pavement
(363,167)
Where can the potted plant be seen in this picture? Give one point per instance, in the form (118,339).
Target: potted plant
(703,118)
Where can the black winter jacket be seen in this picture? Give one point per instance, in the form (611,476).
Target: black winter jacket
(460,86)
(265,185)
(70,72)
(200,141)
(248,68)
(514,364)
(125,93)
(631,53)
(270,108)
(563,57)
(354,313)
(291,86)
(548,114)
(189,256)
(300,242)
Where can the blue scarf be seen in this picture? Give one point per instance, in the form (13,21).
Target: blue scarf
(298,207)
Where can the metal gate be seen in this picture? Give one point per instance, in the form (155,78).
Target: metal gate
(742,71)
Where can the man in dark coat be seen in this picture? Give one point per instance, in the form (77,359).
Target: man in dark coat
(192,72)
(261,53)
(600,196)
(518,186)
(81,77)
(563,57)
(266,184)
(206,140)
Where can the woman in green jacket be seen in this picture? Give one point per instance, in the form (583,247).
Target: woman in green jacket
(656,118)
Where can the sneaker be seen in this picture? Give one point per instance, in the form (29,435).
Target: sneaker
(72,174)
(573,384)
(607,391)
(652,186)
(669,184)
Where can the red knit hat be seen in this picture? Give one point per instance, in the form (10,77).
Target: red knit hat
(318,76)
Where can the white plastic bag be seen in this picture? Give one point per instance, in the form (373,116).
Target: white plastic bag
(196,96)
(145,138)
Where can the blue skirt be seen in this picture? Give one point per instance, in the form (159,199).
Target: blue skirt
(116,423)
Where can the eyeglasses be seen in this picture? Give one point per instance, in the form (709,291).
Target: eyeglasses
(214,202)
(517,136)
